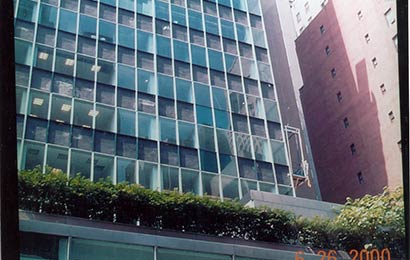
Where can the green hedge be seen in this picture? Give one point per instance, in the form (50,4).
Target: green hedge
(372,221)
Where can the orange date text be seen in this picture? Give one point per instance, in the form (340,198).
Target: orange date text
(364,254)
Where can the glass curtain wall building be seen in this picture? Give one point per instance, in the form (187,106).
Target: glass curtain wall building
(172,95)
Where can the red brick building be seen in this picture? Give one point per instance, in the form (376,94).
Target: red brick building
(350,97)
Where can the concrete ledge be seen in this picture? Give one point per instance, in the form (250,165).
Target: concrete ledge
(300,206)
(128,234)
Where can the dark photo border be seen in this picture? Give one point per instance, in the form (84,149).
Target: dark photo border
(9,236)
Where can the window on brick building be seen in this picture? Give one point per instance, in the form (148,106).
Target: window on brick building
(346,122)
(383,88)
(390,17)
(374,61)
(360,177)
(391,116)
(322,29)
(333,73)
(353,149)
(327,50)
(395,41)
(307,7)
(359,15)
(339,96)
(298,17)
(367,38)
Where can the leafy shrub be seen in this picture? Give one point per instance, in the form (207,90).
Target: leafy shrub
(373,221)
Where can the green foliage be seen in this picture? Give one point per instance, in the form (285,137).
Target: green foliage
(368,222)
(373,221)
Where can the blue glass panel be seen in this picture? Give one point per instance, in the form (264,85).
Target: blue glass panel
(126,122)
(247,168)
(167,130)
(184,90)
(104,142)
(232,64)
(219,98)
(147,126)
(259,37)
(278,152)
(106,72)
(127,146)
(126,77)
(204,115)
(36,129)
(126,4)
(210,187)
(68,21)
(202,95)
(91,249)
(164,46)
(82,138)
(225,2)
(84,67)
(107,31)
(225,142)
(145,7)
(126,37)
(230,187)
(228,29)
(27,10)
(145,41)
(261,149)
(59,134)
(198,55)
(228,164)
(222,119)
(246,186)
(253,7)
(271,109)
(215,60)
(208,161)
(211,24)
(178,15)
(47,15)
(23,52)
(125,171)
(162,10)
(146,82)
(165,86)
(188,157)
(195,20)
(265,172)
(243,145)
(187,134)
(206,138)
(113,2)
(43,57)
(190,181)
(240,4)
(181,51)
(88,26)
(80,163)
(169,175)
(148,178)
(244,33)
(265,73)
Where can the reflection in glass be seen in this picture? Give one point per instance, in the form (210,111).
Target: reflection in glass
(125,171)
(127,146)
(190,181)
(59,133)
(80,163)
(103,168)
